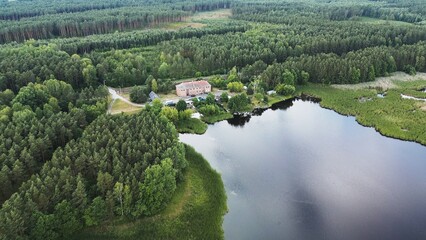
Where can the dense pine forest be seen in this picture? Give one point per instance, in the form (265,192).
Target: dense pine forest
(65,164)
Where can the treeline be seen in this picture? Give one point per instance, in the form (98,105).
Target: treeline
(396,14)
(96,18)
(38,120)
(125,40)
(16,10)
(121,166)
(217,54)
(360,66)
(36,61)
(339,11)
(355,67)
(87,23)
(413,6)
(25,64)
(180,58)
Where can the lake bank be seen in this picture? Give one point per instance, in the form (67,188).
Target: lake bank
(300,171)
(195,212)
(390,115)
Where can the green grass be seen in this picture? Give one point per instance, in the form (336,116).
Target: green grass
(120,106)
(195,212)
(392,116)
(217,118)
(277,98)
(191,125)
(272,99)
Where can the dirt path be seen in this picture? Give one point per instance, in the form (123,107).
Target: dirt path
(115,96)
(384,82)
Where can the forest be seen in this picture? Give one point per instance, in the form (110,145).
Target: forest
(66,165)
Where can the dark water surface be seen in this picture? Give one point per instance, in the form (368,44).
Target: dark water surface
(303,172)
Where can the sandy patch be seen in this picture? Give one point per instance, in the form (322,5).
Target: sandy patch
(422,106)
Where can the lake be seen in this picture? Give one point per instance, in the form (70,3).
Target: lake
(299,171)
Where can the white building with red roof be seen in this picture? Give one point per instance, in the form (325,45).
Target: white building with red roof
(193,88)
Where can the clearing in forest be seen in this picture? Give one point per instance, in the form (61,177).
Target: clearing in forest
(384,82)
(199,20)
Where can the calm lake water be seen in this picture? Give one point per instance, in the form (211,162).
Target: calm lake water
(303,172)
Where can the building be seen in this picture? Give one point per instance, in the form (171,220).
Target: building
(193,88)
(271,92)
(152,96)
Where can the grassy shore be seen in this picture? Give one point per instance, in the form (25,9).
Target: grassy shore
(217,118)
(195,212)
(390,115)
(192,125)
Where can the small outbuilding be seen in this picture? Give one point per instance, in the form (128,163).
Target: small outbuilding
(271,92)
(153,95)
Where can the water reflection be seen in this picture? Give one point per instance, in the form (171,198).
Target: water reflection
(242,119)
(308,173)
(239,120)
(284,105)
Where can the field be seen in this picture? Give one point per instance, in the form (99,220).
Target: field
(195,211)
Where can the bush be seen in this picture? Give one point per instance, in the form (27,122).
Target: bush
(209,109)
(138,94)
(250,90)
(170,113)
(258,97)
(238,103)
(224,97)
(185,115)
(409,70)
(181,105)
(235,87)
(284,89)
(218,82)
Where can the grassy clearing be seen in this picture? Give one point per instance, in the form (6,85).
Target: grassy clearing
(120,106)
(126,96)
(217,118)
(392,116)
(222,14)
(195,211)
(168,96)
(192,125)
(384,82)
(198,20)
